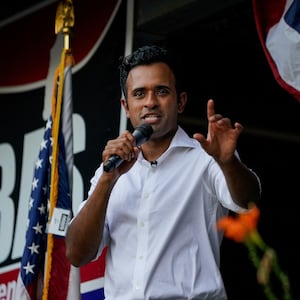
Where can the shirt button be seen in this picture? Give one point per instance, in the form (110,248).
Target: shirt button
(142,224)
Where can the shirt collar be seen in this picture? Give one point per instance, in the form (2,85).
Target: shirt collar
(180,140)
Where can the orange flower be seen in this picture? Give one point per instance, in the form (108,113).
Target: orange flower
(243,228)
(238,228)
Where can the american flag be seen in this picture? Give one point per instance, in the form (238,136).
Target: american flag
(278,26)
(32,264)
(45,271)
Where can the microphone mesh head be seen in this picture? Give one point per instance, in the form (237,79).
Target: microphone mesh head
(145,129)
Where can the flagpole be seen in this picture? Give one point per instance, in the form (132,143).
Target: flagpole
(64,23)
(65,20)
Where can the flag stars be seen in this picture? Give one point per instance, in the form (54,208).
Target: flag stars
(48,124)
(44,189)
(38,164)
(38,228)
(31,200)
(35,183)
(42,209)
(29,268)
(34,248)
(44,144)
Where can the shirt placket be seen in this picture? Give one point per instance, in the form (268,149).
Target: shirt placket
(143,235)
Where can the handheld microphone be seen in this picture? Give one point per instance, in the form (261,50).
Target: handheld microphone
(141,134)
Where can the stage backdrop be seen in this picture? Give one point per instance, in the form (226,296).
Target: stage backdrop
(29,53)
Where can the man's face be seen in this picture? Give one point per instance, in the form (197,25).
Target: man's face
(152,98)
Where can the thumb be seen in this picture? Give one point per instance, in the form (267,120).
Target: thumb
(199,137)
(203,141)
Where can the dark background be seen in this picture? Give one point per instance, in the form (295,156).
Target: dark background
(222,59)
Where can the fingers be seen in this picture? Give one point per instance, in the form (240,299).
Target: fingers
(216,118)
(199,137)
(239,127)
(219,119)
(213,117)
(226,124)
(123,146)
(210,108)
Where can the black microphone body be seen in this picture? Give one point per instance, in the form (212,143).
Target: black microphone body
(141,134)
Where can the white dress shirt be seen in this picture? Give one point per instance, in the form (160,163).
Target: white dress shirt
(161,226)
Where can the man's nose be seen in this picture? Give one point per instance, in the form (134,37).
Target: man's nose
(151,100)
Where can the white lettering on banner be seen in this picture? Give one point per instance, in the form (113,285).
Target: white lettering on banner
(7,291)
(8,281)
(7,207)
(79,140)
(16,239)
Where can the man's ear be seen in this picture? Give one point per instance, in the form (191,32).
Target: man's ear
(182,99)
(125,106)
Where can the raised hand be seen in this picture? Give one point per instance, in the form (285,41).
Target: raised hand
(221,137)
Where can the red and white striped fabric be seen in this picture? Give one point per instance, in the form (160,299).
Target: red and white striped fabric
(278,26)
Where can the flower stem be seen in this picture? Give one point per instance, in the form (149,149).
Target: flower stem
(266,264)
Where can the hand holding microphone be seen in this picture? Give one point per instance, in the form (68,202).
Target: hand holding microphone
(141,134)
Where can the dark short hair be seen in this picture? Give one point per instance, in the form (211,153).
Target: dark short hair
(145,55)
